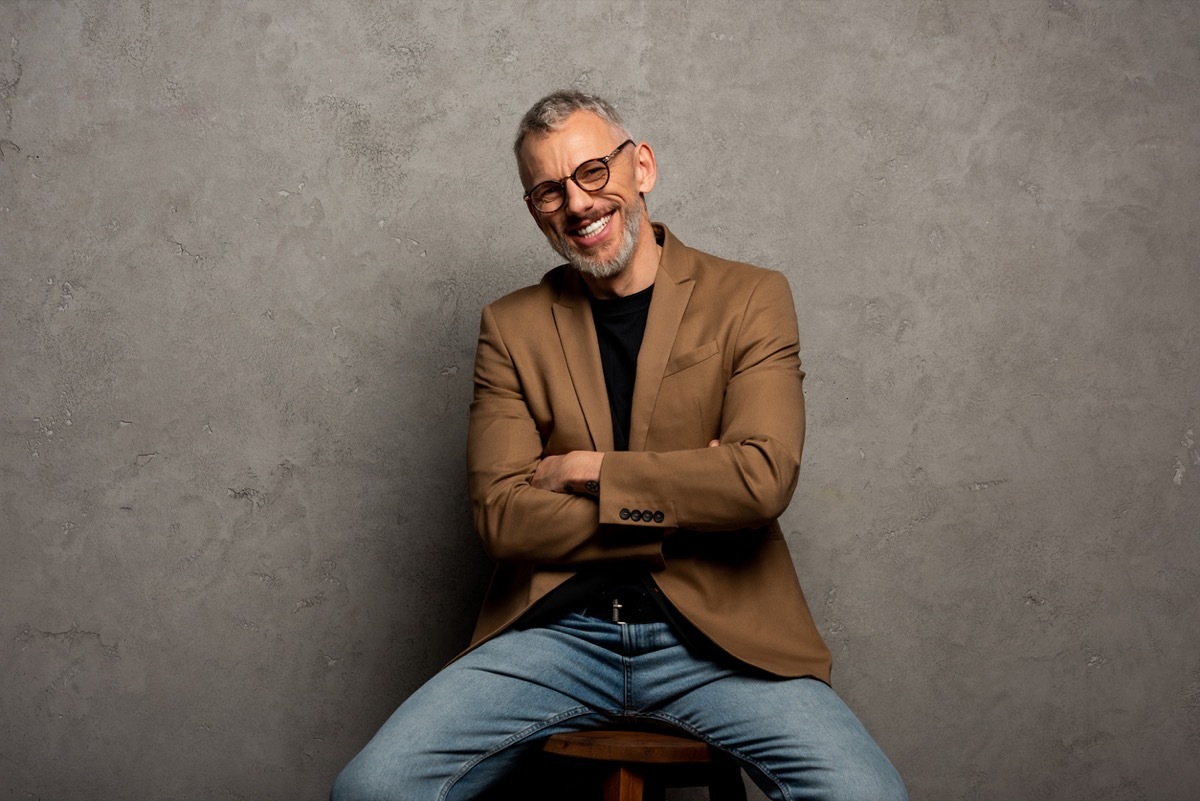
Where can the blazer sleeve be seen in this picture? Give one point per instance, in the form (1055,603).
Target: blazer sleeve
(749,479)
(516,521)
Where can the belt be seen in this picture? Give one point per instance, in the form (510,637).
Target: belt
(628,603)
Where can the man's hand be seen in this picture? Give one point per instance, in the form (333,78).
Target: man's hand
(574,473)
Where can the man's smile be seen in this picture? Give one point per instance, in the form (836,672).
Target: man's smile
(591,233)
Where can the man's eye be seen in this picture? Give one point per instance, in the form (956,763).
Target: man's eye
(591,173)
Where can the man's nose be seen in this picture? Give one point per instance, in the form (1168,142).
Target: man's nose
(579,200)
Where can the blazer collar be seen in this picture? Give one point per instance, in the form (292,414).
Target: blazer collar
(672,289)
(577,334)
(673,285)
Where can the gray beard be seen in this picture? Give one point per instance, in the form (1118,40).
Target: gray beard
(632,215)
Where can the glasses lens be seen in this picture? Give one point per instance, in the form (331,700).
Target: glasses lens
(546,197)
(592,175)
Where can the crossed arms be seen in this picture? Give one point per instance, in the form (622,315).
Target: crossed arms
(518,490)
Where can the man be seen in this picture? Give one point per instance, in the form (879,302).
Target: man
(636,432)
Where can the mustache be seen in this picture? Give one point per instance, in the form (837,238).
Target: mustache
(572,219)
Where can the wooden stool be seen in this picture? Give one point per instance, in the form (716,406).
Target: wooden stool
(641,764)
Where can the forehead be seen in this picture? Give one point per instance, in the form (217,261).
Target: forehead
(549,157)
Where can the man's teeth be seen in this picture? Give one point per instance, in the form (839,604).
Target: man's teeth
(594,227)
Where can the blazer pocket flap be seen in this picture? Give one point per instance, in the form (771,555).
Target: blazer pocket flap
(694,356)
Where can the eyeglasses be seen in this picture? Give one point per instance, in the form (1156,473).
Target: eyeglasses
(590,176)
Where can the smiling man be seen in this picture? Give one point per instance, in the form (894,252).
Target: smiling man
(635,435)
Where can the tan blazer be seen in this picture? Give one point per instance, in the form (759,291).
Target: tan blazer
(719,360)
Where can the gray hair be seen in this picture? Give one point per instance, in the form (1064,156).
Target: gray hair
(549,113)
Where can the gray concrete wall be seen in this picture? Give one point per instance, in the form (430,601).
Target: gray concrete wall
(244,247)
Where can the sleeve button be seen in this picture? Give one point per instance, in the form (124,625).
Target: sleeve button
(635,516)
(659,517)
(624,513)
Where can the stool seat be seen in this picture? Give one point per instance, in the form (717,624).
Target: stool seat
(641,764)
(608,745)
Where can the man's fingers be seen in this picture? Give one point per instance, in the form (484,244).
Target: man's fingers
(577,472)
(544,477)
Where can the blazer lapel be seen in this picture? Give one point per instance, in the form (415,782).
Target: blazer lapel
(671,295)
(577,333)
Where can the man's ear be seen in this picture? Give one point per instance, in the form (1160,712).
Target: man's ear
(646,168)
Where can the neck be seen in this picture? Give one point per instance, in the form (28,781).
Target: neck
(638,275)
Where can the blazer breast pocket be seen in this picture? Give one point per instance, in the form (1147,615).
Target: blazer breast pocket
(692,357)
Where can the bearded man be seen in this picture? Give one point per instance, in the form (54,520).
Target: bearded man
(635,435)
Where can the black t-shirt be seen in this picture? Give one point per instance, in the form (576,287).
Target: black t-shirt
(620,325)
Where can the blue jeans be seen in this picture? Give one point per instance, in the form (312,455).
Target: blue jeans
(465,729)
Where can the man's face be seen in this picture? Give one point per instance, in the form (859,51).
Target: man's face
(597,232)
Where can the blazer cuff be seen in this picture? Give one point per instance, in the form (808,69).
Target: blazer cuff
(627,506)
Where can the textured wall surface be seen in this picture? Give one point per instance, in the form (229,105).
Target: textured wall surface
(243,249)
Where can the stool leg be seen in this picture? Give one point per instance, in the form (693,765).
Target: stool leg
(623,784)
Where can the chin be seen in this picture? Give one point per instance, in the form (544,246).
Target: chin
(608,268)
(597,269)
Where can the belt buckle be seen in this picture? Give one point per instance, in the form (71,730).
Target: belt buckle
(616,612)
